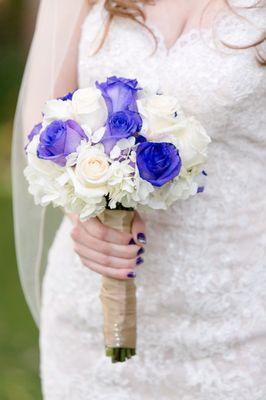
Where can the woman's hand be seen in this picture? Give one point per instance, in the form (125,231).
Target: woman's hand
(108,251)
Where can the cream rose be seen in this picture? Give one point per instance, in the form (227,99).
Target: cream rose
(89,108)
(91,173)
(161,115)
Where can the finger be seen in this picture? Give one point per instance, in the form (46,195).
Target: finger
(114,250)
(73,218)
(104,260)
(139,229)
(81,236)
(100,231)
(121,274)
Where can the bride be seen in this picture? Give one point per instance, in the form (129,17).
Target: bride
(200,267)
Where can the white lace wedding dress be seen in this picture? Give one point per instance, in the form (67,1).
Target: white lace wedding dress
(202,288)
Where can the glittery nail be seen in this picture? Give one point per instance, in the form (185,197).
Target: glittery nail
(131,275)
(141,251)
(139,261)
(141,238)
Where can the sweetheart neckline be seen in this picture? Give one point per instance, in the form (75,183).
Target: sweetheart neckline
(191,36)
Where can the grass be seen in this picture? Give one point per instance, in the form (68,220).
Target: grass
(19,364)
(19,378)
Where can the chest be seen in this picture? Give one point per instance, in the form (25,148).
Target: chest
(173,18)
(208,80)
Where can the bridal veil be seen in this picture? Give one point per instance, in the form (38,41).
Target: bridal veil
(51,71)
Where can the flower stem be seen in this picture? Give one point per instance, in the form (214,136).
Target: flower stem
(119,354)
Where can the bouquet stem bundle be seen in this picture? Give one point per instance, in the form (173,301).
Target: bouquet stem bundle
(118,299)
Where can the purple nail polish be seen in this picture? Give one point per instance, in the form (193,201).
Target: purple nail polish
(131,275)
(141,251)
(139,261)
(141,238)
(132,241)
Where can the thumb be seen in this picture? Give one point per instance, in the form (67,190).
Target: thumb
(139,230)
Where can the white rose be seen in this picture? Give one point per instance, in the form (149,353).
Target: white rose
(57,110)
(91,173)
(192,142)
(161,115)
(89,108)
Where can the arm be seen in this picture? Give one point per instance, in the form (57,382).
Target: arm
(51,69)
(54,46)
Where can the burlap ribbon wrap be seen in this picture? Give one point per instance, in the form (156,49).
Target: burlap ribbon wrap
(118,297)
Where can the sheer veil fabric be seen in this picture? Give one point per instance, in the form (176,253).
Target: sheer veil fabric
(51,71)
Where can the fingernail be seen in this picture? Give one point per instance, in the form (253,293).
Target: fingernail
(139,261)
(132,241)
(131,275)
(141,238)
(141,251)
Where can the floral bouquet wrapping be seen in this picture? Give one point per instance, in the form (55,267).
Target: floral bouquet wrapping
(105,151)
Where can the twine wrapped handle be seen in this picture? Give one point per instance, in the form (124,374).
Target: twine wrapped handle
(118,299)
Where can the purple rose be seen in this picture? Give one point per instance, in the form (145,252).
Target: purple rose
(123,121)
(200,189)
(59,140)
(158,163)
(140,139)
(35,131)
(121,124)
(119,94)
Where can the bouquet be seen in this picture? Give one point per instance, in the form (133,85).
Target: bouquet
(106,151)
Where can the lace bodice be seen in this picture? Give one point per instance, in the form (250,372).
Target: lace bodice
(201,291)
(223,88)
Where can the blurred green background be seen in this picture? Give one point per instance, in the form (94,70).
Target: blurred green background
(19,371)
